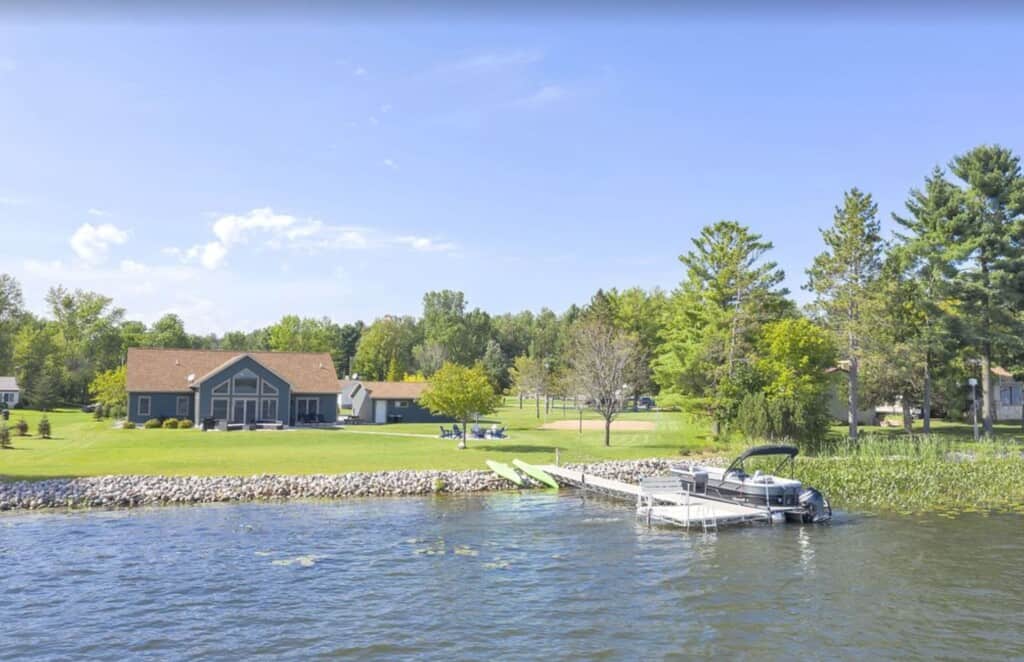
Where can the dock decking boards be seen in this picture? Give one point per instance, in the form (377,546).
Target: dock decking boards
(678,509)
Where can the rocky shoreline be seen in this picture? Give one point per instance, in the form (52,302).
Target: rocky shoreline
(134,491)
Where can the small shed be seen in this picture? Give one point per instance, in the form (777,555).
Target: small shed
(10,394)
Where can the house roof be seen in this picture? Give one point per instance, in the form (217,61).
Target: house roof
(395,390)
(167,370)
(9,384)
(1000,371)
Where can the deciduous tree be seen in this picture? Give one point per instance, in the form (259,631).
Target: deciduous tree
(460,393)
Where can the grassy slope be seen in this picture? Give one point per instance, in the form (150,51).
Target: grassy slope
(83,447)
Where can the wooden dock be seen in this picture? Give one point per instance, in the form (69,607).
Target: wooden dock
(679,508)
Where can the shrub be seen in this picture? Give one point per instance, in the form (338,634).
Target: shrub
(5,436)
(21,427)
(171,424)
(151,423)
(97,412)
(185,423)
(43,428)
(128,425)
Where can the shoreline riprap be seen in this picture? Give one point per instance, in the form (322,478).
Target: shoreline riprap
(130,491)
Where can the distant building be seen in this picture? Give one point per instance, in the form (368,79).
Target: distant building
(238,387)
(838,408)
(10,394)
(1009,395)
(392,402)
(346,388)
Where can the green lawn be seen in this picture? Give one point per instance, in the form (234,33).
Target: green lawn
(84,447)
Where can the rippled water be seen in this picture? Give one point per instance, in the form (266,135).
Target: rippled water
(501,576)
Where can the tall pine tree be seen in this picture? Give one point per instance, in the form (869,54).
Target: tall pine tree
(841,278)
(988,247)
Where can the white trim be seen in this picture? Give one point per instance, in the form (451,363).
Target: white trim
(149,405)
(245,373)
(401,404)
(264,416)
(182,399)
(315,408)
(227,407)
(266,388)
(227,387)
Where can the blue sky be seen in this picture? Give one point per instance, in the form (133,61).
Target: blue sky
(232,174)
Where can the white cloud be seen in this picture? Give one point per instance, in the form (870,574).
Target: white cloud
(424,244)
(92,242)
(7,65)
(545,96)
(279,232)
(386,108)
(232,229)
(359,71)
(391,164)
(93,211)
(373,121)
(212,255)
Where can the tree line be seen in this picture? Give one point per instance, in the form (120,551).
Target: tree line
(901,319)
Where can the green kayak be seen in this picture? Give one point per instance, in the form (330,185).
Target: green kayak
(536,473)
(505,471)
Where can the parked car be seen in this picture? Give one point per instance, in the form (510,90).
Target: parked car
(88,409)
(645,402)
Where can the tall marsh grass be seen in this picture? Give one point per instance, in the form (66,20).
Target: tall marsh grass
(918,473)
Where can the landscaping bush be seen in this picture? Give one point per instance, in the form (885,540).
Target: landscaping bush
(97,412)
(185,423)
(21,427)
(43,427)
(171,424)
(151,423)
(5,436)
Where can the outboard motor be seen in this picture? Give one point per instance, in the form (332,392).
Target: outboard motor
(816,508)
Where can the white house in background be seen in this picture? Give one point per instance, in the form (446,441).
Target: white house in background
(1008,395)
(9,392)
(347,389)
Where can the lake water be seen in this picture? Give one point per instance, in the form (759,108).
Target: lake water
(501,576)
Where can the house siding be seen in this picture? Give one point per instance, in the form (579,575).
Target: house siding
(363,407)
(10,398)
(206,395)
(161,405)
(328,405)
(1008,411)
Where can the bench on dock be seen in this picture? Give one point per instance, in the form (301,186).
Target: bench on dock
(653,487)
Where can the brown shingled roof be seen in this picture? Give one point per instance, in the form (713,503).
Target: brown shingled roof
(395,390)
(167,370)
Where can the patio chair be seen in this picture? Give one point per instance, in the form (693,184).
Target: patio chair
(500,433)
(445,433)
(456,430)
(479,434)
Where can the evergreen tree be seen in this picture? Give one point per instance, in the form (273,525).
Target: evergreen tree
(715,317)
(841,278)
(923,258)
(988,251)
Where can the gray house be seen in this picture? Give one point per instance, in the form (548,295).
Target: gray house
(1010,395)
(392,402)
(9,392)
(237,387)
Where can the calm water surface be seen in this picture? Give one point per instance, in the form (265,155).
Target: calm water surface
(498,577)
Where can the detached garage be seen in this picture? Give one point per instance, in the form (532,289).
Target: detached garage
(392,402)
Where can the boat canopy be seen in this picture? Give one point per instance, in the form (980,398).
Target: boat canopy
(768,450)
(789,451)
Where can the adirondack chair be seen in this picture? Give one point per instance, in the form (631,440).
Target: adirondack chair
(456,430)
(445,432)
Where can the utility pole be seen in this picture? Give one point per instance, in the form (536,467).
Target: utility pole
(974,404)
